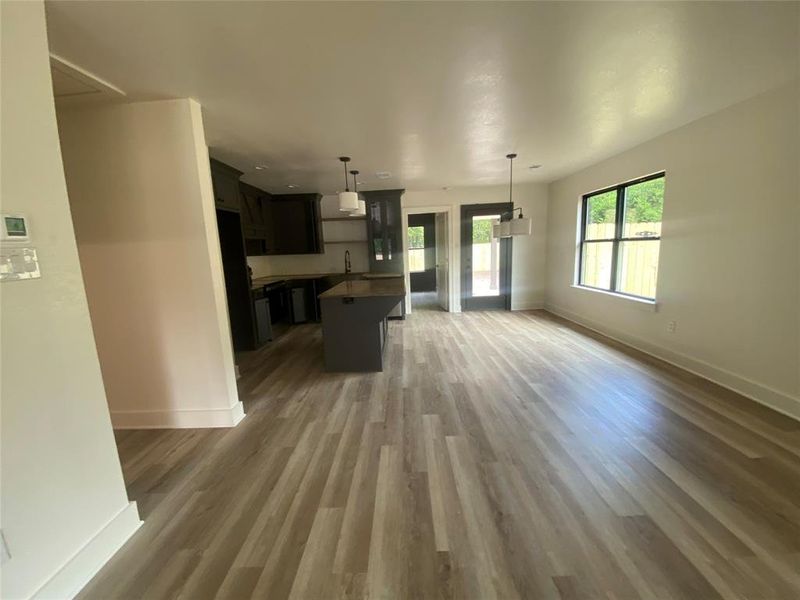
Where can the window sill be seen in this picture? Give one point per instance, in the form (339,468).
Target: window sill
(642,302)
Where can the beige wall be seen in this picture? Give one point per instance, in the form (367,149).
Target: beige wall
(140,189)
(64,506)
(528,262)
(730,255)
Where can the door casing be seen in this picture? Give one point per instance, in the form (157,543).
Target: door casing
(442,261)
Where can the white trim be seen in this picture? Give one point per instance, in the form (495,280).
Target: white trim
(774,399)
(79,569)
(183,418)
(100,86)
(651,304)
(455,303)
(529,306)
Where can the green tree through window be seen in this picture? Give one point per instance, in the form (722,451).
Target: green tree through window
(481,231)
(416,237)
(643,204)
(416,249)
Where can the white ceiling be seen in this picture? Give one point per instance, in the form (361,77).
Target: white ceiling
(435,93)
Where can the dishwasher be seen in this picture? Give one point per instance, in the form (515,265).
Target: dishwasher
(263,319)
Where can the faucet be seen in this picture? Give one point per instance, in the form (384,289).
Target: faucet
(347,261)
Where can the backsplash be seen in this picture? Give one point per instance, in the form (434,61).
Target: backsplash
(330,262)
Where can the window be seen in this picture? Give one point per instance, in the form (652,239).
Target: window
(485,256)
(416,249)
(620,237)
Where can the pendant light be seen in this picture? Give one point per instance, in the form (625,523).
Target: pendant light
(361,211)
(521,225)
(348,201)
(501,229)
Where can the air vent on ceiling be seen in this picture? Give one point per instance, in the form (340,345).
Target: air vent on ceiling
(383,174)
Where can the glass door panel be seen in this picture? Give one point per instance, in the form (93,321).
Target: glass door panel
(485,257)
(485,261)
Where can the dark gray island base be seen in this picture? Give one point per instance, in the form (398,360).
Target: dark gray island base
(354,322)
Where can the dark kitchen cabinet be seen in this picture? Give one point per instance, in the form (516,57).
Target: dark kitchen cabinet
(384,231)
(253,225)
(296,223)
(225,180)
(237,281)
(257,221)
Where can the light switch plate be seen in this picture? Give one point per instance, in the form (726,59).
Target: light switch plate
(18,263)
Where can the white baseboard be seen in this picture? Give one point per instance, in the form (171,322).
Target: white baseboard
(528,306)
(774,399)
(187,418)
(86,562)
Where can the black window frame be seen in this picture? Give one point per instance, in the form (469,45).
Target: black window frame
(619,224)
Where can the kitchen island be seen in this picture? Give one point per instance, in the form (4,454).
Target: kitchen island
(354,322)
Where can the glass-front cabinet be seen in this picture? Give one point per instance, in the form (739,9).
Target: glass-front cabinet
(385,231)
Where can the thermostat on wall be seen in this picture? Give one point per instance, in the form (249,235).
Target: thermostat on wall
(14,228)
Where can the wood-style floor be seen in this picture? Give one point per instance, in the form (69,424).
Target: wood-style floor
(500,455)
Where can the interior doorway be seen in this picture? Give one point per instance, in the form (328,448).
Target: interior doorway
(485,261)
(428,260)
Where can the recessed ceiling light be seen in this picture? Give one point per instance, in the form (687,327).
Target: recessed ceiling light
(383,174)
(535,167)
(261,167)
(292,186)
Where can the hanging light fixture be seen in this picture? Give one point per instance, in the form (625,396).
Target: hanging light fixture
(521,225)
(348,201)
(361,211)
(501,229)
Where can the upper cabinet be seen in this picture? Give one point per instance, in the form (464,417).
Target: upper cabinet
(384,230)
(225,180)
(297,224)
(282,224)
(256,212)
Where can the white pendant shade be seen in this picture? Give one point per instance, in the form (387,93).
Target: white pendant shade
(520,226)
(348,201)
(501,230)
(362,209)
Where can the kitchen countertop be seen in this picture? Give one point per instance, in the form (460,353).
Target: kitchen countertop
(367,288)
(262,281)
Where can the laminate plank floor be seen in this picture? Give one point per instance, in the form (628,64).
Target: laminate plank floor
(499,455)
(425,301)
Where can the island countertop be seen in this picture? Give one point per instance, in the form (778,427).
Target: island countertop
(367,288)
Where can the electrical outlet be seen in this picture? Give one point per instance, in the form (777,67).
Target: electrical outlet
(671,326)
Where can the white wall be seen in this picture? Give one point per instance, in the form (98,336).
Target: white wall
(528,253)
(64,506)
(332,260)
(729,269)
(140,188)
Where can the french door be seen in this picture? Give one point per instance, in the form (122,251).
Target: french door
(485,261)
